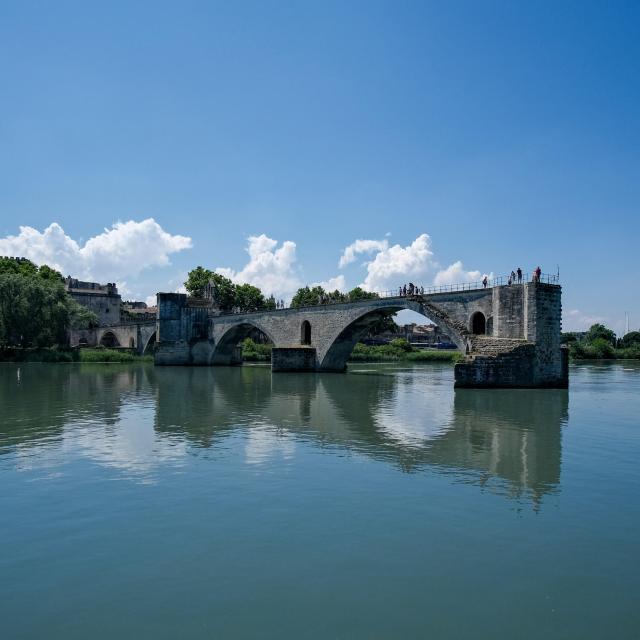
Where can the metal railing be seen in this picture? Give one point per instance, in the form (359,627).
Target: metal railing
(498,281)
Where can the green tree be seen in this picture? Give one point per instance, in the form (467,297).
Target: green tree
(80,317)
(630,339)
(401,344)
(35,309)
(309,297)
(312,296)
(227,295)
(249,298)
(197,280)
(335,296)
(384,324)
(360,294)
(19,266)
(270,303)
(224,290)
(600,331)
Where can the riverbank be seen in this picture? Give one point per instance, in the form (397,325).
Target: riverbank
(603,352)
(397,351)
(98,354)
(253,352)
(401,353)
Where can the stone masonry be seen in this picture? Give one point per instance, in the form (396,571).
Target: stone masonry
(518,344)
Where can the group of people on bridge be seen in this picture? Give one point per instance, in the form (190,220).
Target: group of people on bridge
(516,276)
(410,290)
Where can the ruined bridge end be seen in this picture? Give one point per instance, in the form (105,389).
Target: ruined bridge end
(524,348)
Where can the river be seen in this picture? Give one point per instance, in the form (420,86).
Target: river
(142,502)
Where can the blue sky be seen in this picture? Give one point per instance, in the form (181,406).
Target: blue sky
(507,132)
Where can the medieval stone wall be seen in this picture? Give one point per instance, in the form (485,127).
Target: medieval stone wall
(105,306)
(508,305)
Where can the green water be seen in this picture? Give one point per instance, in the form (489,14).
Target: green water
(229,503)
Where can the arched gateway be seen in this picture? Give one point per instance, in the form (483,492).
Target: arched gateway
(510,334)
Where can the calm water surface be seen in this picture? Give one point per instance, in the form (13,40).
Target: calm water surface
(211,503)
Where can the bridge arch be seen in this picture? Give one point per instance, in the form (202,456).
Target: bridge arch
(339,347)
(225,350)
(109,340)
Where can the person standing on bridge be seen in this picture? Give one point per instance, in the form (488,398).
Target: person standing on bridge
(519,275)
(512,277)
(404,290)
(484,282)
(537,273)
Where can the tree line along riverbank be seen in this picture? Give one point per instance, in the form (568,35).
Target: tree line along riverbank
(601,343)
(590,347)
(397,350)
(54,354)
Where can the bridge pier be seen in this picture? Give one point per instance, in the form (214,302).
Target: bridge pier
(293,359)
(525,349)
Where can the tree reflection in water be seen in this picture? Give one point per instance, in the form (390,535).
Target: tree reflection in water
(506,440)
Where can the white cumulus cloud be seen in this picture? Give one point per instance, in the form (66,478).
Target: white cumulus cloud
(393,265)
(456,273)
(332,284)
(351,252)
(270,267)
(123,251)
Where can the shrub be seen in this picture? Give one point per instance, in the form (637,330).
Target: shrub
(401,344)
(600,348)
(254,352)
(394,353)
(111,355)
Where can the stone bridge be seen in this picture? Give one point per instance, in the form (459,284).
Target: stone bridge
(140,336)
(510,334)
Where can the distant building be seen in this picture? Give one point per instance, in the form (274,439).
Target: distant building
(138,311)
(103,299)
(416,334)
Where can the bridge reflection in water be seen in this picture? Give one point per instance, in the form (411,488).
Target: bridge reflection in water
(507,441)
